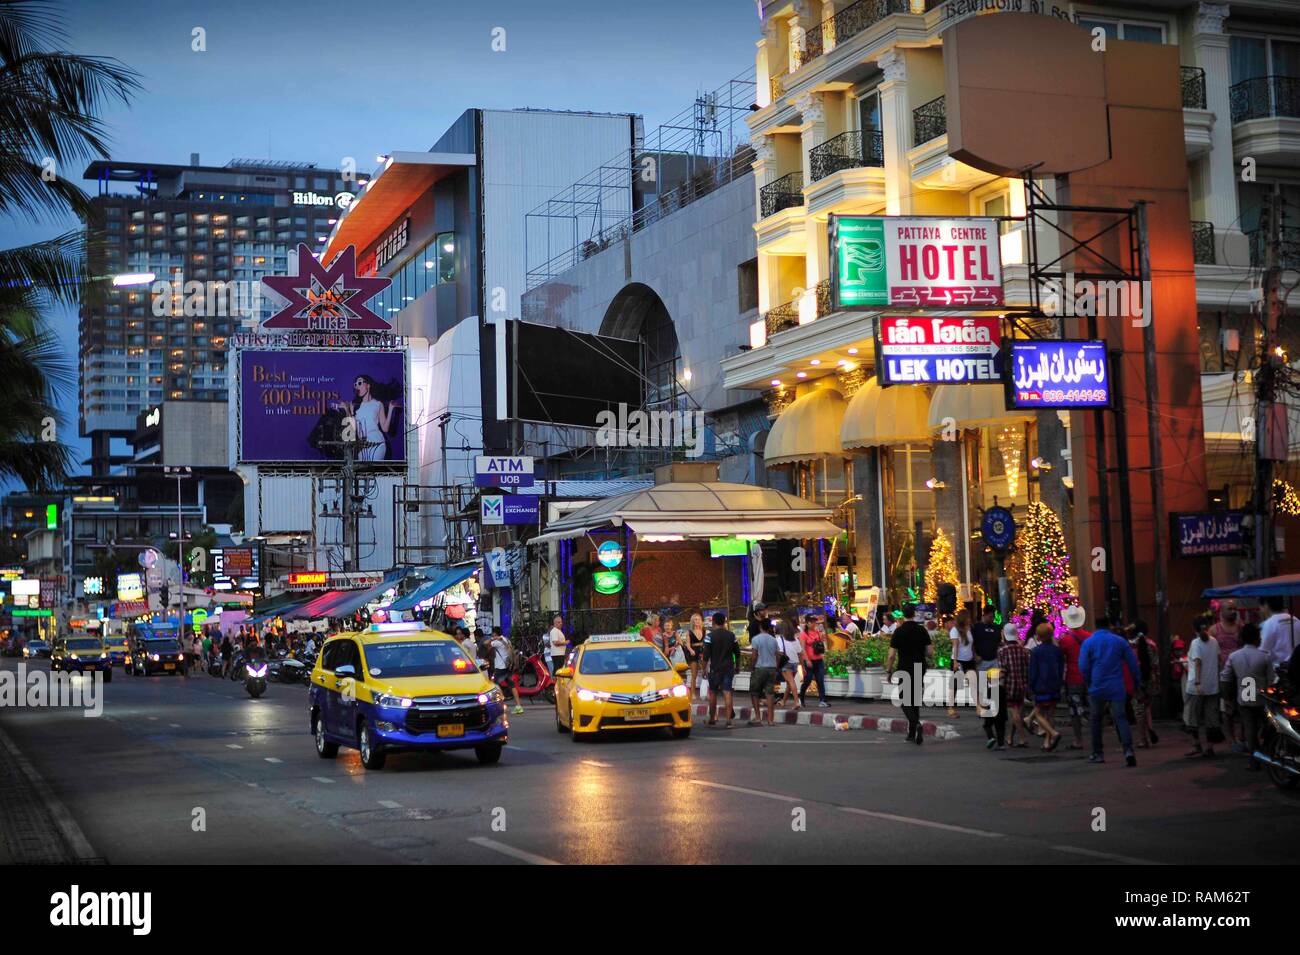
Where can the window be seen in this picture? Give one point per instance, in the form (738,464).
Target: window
(869,111)
(1138,31)
(1252,57)
(747,279)
(446,243)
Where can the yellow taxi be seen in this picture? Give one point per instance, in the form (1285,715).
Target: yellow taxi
(400,686)
(620,682)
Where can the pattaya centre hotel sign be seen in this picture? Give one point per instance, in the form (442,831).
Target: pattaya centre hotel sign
(915,262)
(930,350)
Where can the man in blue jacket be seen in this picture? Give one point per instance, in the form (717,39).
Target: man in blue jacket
(1102,661)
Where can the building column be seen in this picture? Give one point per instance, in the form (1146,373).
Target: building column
(812,131)
(946,459)
(1217,173)
(896,123)
(869,562)
(764,167)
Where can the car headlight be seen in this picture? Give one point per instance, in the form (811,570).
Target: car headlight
(493,695)
(74,656)
(389,699)
(681,690)
(588,696)
(154,657)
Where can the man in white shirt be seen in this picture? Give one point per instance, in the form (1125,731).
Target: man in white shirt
(499,647)
(1279,631)
(1202,702)
(556,644)
(848,626)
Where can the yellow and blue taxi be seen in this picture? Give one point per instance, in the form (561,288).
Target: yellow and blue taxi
(118,647)
(79,653)
(400,686)
(620,682)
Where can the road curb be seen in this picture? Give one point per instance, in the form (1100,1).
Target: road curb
(78,847)
(842,721)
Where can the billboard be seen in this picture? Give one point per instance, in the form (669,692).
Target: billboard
(1210,534)
(294,403)
(913,351)
(1058,374)
(915,262)
(565,377)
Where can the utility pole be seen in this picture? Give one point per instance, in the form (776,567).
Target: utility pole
(350,500)
(1267,437)
(181,474)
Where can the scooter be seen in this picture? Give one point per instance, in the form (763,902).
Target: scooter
(288,669)
(1279,748)
(533,680)
(255,676)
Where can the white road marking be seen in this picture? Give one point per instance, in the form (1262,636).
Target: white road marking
(1096,854)
(233,746)
(795,742)
(174,726)
(595,762)
(154,718)
(272,759)
(742,789)
(511,851)
(322,779)
(390,804)
(909,820)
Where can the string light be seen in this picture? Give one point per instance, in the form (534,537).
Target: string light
(1285,499)
(1011,447)
(1040,568)
(942,568)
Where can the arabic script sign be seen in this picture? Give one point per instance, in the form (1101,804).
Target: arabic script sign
(916,262)
(1209,534)
(326,299)
(1058,374)
(938,350)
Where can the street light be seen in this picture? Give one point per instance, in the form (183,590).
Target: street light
(134,278)
(180,474)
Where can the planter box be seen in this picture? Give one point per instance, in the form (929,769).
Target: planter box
(837,686)
(741,681)
(936,689)
(868,683)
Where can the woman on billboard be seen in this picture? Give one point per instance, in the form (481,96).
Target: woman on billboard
(374,419)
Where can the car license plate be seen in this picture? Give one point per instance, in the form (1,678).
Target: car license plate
(169,666)
(639,713)
(451,729)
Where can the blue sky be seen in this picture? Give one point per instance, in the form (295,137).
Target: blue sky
(320,81)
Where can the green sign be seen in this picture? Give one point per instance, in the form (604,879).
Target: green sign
(23,612)
(199,615)
(728,547)
(607,581)
(859,256)
(51,517)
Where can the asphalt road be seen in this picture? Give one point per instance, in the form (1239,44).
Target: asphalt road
(168,753)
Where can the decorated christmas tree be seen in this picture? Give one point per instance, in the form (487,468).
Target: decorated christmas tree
(942,567)
(1040,568)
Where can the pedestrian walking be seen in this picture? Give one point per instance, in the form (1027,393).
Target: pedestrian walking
(1201,712)
(1013,671)
(1046,680)
(693,648)
(1147,690)
(762,681)
(789,660)
(814,668)
(556,645)
(721,659)
(1248,672)
(910,650)
(503,665)
(961,643)
(1103,661)
(1076,690)
(650,629)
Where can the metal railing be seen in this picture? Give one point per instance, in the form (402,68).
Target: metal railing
(776,87)
(1265,96)
(1288,253)
(929,121)
(1203,243)
(849,22)
(1193,78)
(781,317)
(851,150)
(783,193)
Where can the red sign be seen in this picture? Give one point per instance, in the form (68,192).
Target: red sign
(943,263)
(950,350)
(238,561)
(313,578)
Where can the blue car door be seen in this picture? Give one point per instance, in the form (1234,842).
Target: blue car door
(345,699)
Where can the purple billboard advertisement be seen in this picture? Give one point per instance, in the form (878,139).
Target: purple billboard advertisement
(297,406)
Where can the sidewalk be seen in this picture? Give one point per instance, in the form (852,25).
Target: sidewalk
(35,827)
(849,714)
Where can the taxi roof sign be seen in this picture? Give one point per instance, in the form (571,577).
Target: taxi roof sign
(614,638)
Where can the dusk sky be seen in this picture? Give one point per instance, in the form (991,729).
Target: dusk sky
(320,81)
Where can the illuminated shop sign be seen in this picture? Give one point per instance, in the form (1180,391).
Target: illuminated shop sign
(1058,374)
(915,262)
(340,200)
(392,243)
(1209,534)
(607,581)
(610,553)
(924,350)
(130,587)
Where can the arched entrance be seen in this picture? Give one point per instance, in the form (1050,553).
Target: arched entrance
(638,313)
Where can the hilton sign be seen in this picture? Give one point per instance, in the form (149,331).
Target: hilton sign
(340,199)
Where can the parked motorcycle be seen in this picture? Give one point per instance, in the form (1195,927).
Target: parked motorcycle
(533,679)
(254,670)
(1279,749)
(286,668)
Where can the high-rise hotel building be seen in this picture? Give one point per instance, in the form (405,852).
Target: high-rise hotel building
(149,343)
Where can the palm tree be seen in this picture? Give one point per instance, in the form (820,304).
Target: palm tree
(49,101)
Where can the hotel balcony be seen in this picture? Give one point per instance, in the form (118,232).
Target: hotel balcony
(1198,121)
(1266,118)
(848,174)
(836,30)
(930,165)
(780,228)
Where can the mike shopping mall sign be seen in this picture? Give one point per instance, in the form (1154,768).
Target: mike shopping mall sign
(915,262)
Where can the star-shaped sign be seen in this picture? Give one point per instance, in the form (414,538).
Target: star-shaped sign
(327,299)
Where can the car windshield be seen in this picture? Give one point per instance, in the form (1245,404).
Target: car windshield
(115,641)
(37,643)
(418,658)
(623,660)
(84,643)
(162,646)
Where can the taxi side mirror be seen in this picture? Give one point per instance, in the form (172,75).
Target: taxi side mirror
(564,673)
(346,669)
(682,667)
